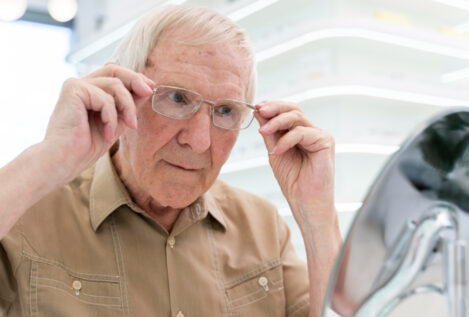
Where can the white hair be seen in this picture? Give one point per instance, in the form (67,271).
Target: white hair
(199,25)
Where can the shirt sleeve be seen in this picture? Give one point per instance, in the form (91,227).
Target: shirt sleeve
(295,274)
(10,257)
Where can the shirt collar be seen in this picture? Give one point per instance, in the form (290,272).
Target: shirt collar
(109,193)
(210,206)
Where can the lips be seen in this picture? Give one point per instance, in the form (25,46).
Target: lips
(182,167)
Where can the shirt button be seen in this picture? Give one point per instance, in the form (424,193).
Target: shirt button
(264,282)
(180,314)
(171,242)
(76,286)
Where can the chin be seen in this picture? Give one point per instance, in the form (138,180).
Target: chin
(178,197)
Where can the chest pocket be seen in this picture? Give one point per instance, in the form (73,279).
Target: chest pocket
(58,291)
(259,294)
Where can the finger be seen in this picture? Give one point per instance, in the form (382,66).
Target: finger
(284,121)
(260,119)
(269,140)
(270,109)
(123,99)
(98,100)
(133,81)
(311,140)
(109,119)
(150,82)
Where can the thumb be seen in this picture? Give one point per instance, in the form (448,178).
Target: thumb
(140,100)
(271,140)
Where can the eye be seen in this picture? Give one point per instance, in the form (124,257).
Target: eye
(225,110)
(176,96)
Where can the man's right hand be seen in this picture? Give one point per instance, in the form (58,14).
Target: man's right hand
(90,115)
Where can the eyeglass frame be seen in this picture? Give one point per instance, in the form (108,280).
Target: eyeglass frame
(202,100)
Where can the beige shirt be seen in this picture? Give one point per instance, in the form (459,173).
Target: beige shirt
(88,250)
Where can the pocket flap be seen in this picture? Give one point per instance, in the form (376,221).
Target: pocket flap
(89,288)
(255,288)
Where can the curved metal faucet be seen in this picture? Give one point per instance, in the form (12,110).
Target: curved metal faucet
(411,235)
(409,259)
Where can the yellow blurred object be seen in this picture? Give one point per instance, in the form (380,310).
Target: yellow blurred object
(451,31)
(314,75)
(392,17)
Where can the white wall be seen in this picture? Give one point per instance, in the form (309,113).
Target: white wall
(33,68)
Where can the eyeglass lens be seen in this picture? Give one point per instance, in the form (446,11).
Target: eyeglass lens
(179,103)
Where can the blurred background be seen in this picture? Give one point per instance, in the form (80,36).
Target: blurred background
(368,71)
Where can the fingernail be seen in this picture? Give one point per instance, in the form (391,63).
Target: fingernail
(150,82)
(264,129)
(273,150)
(148,88)
(135,122)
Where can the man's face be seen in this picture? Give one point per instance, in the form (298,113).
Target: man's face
(173,162)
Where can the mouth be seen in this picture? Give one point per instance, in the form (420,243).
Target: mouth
(184,168)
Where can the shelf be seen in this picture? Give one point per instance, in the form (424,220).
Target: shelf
(362,116)
(331,64)
(233,166)
(426,42)
(274,41)
(354,175)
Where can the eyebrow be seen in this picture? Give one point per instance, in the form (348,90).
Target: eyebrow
(175,84)
(178,85)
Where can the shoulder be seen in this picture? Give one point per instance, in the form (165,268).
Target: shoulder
(240,207)
(64,209)
(70,196)
(43,226)
(232,197)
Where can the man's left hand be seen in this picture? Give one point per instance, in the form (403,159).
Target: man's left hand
(302,159)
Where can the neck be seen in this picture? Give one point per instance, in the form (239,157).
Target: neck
(163,215)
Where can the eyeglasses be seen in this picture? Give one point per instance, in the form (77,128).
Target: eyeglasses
(179,103)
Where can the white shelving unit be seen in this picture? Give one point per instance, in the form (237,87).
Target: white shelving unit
(368,71)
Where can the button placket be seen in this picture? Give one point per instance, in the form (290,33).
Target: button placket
(173,277)
(171,242)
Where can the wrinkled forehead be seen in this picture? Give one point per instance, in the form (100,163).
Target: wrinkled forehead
(221,65)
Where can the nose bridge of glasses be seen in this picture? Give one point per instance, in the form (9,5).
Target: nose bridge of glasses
(197,104)
(210,102)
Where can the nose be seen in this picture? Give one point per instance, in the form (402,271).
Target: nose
(196,130)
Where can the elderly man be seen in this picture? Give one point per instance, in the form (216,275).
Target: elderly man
(117,212)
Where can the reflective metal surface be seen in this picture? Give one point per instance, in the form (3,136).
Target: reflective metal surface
(406,253)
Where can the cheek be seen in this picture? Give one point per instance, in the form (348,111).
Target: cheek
(222,146)
(153,131)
